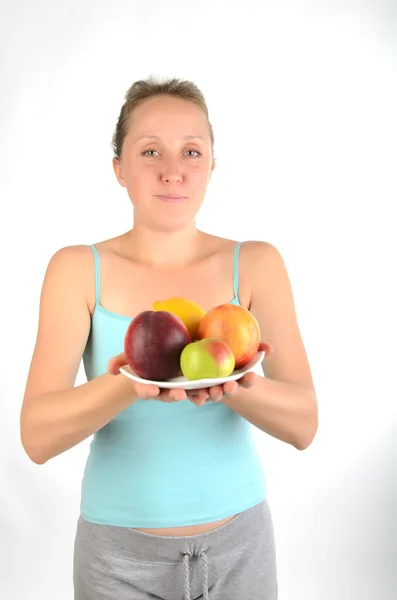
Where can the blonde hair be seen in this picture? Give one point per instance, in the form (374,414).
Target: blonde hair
(144,89)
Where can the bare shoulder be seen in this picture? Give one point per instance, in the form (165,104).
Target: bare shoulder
(252,258)
(73,266)
(273,305)
(64,322)
(260,250)
(74,261)
(266,269)
(260,261)
(250,249)
(71,256)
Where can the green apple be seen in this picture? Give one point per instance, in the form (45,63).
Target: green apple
(207,358)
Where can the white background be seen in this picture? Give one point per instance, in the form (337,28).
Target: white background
(302,97)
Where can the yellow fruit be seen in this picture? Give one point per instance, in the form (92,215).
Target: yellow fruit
(188,311)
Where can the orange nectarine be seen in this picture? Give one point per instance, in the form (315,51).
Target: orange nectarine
(236,326)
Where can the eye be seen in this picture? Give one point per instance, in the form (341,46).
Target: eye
(196,151)
(145,153)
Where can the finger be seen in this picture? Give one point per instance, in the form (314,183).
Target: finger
(198,394)
(197,401)
(172,395)
(203,394)
(146,392)
(216,393)
(200,399)
(177,394)
(266,348)
(116,362)
(165,396)
(230,388)
(248,380)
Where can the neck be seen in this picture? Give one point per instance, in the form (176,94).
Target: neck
(167,249)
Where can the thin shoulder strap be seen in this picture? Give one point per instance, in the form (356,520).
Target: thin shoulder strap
(97,275)
(235,268)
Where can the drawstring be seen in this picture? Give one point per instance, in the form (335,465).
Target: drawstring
(204,563)
(187,579)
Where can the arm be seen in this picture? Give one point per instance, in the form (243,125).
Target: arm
(282,404)
(55,415)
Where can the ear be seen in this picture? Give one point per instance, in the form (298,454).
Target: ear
(212,168)
(118,170)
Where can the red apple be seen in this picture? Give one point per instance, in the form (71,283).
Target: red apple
(234,325)
(153,344)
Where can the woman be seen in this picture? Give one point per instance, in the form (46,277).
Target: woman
(174,500)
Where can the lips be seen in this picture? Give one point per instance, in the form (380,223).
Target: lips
(171,198)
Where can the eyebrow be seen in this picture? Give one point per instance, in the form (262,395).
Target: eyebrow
(156,137)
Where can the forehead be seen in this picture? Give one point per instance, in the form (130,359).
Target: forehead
(168,116)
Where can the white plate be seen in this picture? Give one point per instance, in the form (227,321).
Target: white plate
(182,382)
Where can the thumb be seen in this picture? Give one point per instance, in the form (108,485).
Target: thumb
(116,362)
(266,348)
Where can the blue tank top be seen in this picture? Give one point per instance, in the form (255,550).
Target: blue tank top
(160,464)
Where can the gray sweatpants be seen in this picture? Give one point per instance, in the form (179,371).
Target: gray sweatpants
(236,561)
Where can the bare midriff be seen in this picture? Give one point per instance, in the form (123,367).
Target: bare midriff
(187,530)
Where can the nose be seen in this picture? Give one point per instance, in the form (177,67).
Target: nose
(172,172)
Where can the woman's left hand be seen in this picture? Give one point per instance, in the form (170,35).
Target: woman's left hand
(228,389)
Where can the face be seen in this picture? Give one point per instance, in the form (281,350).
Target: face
(166,162)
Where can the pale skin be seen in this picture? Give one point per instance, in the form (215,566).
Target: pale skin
(146,264)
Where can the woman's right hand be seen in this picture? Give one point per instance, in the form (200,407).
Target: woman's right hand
(151,391)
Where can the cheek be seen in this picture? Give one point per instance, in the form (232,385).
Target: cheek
(138,176)
(199,176)
(141,176)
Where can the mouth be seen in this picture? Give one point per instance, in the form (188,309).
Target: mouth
(171,198)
